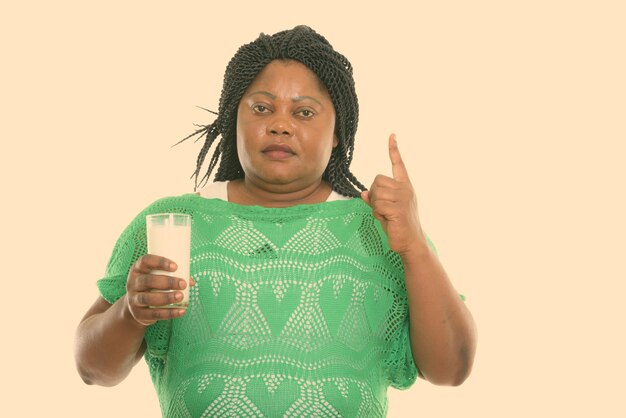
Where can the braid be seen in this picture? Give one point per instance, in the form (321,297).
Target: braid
(334,70)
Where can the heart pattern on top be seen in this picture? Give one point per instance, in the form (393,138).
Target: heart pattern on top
(335,297)
(274,396)
(277,308)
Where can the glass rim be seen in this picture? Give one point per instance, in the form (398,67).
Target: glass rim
(168,214)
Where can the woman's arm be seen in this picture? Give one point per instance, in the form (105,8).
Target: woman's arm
(109,342)
(442,331)
(110,338)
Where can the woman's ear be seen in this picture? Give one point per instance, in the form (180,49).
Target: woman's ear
(335,141)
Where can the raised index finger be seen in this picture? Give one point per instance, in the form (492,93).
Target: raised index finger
(398,168)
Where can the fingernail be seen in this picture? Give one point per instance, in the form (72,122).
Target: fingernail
(182,284)
(172,266)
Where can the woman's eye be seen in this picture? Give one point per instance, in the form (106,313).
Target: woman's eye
(306,113)
(260,108)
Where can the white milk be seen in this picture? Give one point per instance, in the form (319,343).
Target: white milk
(171,238)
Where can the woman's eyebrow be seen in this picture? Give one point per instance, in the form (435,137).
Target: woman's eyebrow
(264,93)
(295,99)
(300,98)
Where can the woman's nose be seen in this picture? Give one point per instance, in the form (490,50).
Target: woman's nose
(280,126)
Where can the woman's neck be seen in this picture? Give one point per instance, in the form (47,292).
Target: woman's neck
(246,192)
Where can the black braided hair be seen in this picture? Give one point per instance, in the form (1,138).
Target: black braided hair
(334,70)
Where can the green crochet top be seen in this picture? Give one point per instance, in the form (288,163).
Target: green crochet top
(298,311)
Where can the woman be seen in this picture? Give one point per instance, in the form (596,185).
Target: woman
(311,294)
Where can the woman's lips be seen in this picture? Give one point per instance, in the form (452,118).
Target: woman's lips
(278,152)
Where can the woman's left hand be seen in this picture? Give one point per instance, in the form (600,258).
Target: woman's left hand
(394,204)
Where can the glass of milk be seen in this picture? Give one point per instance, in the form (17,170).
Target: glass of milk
(169,235)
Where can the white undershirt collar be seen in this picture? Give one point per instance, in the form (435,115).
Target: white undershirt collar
(219,190)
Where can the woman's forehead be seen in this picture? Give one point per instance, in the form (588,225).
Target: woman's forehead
(284,72)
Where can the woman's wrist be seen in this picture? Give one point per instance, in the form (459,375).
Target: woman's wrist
(418,251)
(129,318)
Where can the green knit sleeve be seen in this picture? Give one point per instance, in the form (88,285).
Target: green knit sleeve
(129,247)
(402,368)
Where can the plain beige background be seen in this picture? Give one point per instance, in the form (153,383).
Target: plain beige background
(510,116)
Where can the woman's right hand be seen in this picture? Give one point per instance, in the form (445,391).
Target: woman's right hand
(139,290)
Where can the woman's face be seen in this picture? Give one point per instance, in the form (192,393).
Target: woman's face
(285,127)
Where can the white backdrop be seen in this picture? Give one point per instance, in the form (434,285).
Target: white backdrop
(509,115)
